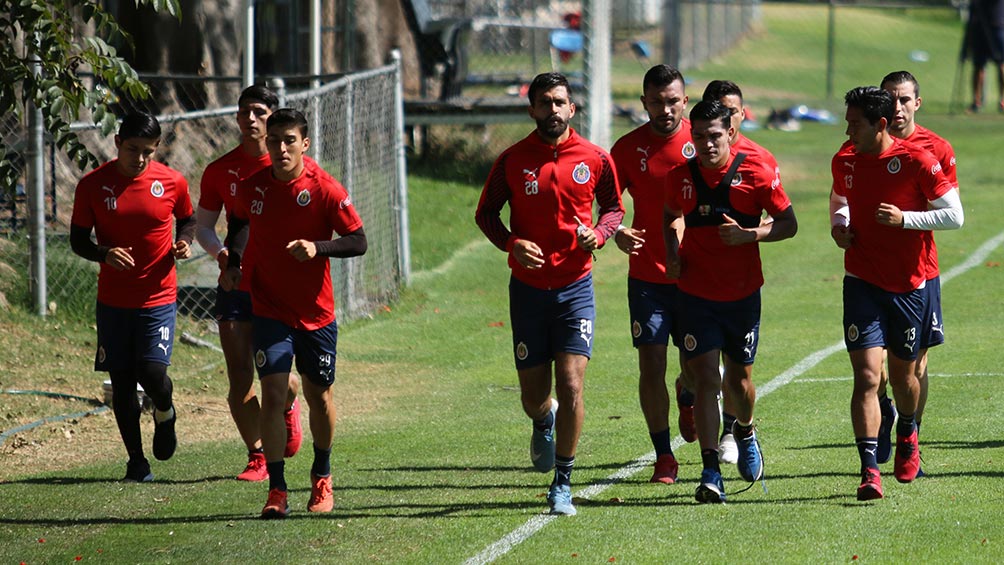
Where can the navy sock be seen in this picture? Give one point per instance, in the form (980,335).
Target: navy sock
(276,474)
(905,425)
(741,431)
(867,447)
(545,423)
(709,457)
(563,470)
(727,421)
(661,441)
(322,462)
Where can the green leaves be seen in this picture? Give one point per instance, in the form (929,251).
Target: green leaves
(49,30)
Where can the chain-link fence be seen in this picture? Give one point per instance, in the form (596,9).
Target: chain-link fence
(354,126)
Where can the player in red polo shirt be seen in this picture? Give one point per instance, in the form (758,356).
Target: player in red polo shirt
(643,157)
(131,204)
(289,211)
(233,308)
(906,93)
(721,196)
(887,197)
(550,180)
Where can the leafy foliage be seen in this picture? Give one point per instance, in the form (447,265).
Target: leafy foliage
(42,57)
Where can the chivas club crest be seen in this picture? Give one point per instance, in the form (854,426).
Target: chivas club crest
(704,209)
(581,174)
(689,151)
(521,351)
(736,180)
(894,166)
(303,198)
(157,189)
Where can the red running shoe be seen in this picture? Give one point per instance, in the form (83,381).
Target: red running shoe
(688,430)
(666,468)
(277,506)
(256,469)
(871,485)
(907,461)
(321,497)
(294,432)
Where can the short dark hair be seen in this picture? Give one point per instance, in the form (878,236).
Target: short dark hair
(899,77)
(139,124)
(717,89)
(711,110)
(258,93)
(660,76)
(285,117)
(874,103)
(544,82)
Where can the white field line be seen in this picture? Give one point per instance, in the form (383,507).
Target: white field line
(452,261)
(537,523)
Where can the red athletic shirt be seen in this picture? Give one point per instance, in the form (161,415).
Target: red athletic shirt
(219,189)
(311,207)
(548,187)
(643,158)
(943,152)
(746,145)
(137,213)
(711,269)
(905,175)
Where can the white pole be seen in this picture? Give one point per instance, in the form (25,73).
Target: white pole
(596,53)
(36,199)
(248,17)
(404,244)
(315,42)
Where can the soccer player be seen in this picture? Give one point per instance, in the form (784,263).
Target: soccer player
(887,196)
(141,214)
(643,157)
(550,180)
(291,209)
(233,308)
(905,92)
(720,197)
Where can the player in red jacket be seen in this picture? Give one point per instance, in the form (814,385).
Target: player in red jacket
(721,196)
(550,180)
(887,197)
(141,214)
(286,214)
(233,308)
(906,93)
(643,157)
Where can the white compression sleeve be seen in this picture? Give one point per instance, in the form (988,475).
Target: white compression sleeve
(205,231)
(947,214)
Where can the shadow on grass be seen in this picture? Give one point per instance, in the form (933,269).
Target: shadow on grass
(70,480)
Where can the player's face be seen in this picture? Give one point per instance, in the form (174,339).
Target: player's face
(286,146)
(907,104)
(665,106)
(135,155)
(866,137)
(251,118)
(552,111)
(735,106)
(713,141)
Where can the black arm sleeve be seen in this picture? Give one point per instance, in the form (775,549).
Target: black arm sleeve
(184,229)
(349,245)
(81,244)
(236,241)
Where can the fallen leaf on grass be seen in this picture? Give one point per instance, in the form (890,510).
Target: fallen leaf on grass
(496,324)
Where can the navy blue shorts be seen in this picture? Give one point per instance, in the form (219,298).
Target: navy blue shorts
(876,318)
(276,344)
(232,305)
(731,327)
(932,331)
(653,312)
(545,322)
(987,45)
(128,336)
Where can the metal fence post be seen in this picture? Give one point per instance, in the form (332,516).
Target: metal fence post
(36,199)
(596,52)
(404,243)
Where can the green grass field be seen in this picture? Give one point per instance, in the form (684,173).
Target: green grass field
(430,456)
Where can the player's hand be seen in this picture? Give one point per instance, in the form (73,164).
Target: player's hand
(528,254)
(734,234)
(230,278)
(181,249)
(120,258)
(673,267)
(630,240)
(586,236)
(302,250)
(221,259)
(889,215)
(842,235)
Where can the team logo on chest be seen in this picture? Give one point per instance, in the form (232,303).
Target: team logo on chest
(581,173)
(704,209)
(893,166)
(157,189)
(689,150)
(303,198)
(738,179)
